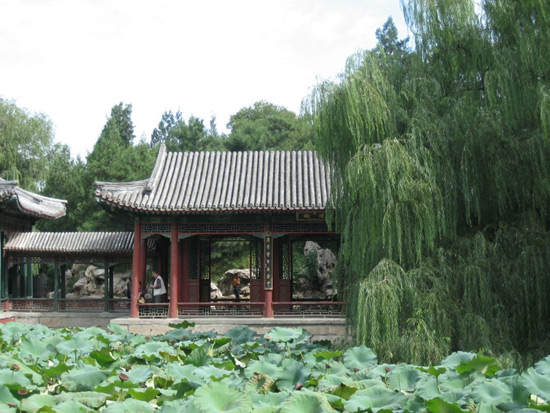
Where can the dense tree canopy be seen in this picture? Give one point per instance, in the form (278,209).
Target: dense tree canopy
(25,141)
(265,126)
(65,180)
(114,158)
(29,154)
(440,156)
(178,135)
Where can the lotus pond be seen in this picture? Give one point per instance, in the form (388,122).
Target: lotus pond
(81,370)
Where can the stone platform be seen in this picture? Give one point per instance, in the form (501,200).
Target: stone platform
(59,320)
(333,329)
(329,328)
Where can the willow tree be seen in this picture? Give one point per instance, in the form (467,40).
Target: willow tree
(26,140)
(441,184)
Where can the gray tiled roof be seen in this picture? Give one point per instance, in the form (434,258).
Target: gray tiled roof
(188,182)
(71,242)
(31,203)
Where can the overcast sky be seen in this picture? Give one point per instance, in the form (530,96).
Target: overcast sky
(74,59)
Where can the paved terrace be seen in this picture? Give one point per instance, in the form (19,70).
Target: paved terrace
(333,329)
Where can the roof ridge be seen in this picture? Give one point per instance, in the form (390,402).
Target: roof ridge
(156,170)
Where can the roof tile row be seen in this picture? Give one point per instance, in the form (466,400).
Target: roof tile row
(225,181)
(71,242)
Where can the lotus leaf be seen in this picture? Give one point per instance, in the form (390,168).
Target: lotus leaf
(72,406)
(404,378)
(240,335)
(85,378)
(438,405)
(264,367)
(268,399)
(145,395)
(434,371)
(139,374)
(90,399)
(536,383)
(75,347)
(219,397)
(273,358)
(129,406)
(14,379)
(267,409)
(285,335)
(178,406)
(259,383)
(152,350)
(452,361)
(330,381)
(306,402)
(543,366)
(23,368)
(327,355)
(37,402)
(485,365)
(198,357)
(344,390)
(183,325)
(37,350)
(209,372)
(5,395)
(184,373)
(374,398)
(104,356)
(359,358)
(12,332)
(294,373)
(178,334)
(493,392)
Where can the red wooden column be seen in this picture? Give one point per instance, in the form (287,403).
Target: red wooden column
(182,272)
(142,261)
(268,275)
(174,269)
(136,261)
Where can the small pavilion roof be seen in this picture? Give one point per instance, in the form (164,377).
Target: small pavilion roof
(202,182)
(71,243)
(30,203)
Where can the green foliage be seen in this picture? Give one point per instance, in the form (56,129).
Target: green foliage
(264,126)
(278,372)
(228,254)
(180,136)
(441,186)
(25,142)
(65,180)
(114,158)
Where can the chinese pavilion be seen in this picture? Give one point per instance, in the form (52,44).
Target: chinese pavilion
(19,211)
(268,198)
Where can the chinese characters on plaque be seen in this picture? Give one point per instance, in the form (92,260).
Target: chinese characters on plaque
(268,283)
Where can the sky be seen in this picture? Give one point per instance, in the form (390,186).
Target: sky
(73,60)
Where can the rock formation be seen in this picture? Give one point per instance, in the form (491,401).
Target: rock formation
(317,285)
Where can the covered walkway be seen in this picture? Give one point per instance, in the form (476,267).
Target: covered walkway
(62,249)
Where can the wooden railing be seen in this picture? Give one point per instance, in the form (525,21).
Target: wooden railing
(222,309)
(245,308)
(309,308)
(199,309)
(115,305)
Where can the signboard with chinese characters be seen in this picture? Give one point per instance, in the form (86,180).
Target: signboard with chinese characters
(311,216)
(268,244)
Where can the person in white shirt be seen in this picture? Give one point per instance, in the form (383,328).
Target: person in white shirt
(159,289)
